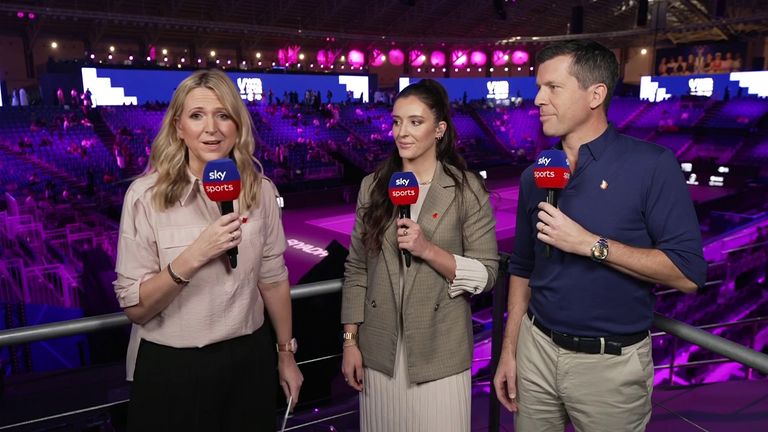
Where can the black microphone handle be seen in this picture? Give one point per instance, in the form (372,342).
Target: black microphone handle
(551,199)
(226,208)
(405,212)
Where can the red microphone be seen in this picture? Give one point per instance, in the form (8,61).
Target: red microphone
(221,182)
(551,172)
(403,192)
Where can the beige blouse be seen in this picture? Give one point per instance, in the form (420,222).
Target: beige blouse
(219,303)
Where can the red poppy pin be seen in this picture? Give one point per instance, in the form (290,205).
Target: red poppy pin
(435,215)
(244,219)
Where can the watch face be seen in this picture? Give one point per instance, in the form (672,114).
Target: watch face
(293,346)
(600,250)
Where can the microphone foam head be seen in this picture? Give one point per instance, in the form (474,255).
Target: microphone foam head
(551,170)
(221,180)
(403,188)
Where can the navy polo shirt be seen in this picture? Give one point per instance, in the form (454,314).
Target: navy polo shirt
(623,189)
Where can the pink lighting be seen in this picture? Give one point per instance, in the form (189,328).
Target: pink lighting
(326,57)
(437,58)
(500,57)
(356,58)
(378,58)
(478,58)
(459,58)
(288,55)
(31,15)
(396,57)
(519,57)
(19,14)
(417,58)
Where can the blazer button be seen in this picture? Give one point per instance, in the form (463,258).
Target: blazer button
(373,303)
(437,306)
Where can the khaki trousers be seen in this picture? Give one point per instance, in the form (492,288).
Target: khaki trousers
(595,392)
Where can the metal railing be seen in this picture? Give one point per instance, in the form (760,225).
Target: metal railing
(717,344)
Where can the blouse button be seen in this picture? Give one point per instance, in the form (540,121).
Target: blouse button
(437,306)
(373,303)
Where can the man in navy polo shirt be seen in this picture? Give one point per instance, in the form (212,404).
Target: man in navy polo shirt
(576,345)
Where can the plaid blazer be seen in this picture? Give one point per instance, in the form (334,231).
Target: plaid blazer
(437,329)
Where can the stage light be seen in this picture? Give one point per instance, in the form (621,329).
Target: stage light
(356,57)
(437,58)
(183,59)
(93,56)
(396,57)
(643,51)
(19,14)
(31,15)
(301,56)
(111,48)
(258,55)
(229,62)
(149,58)
(130,58)
(459,58)
(483,174)
(478,58)
(213,53)
(178,66)
(199,61)
(54,45)
(377,57)
(531,68)
(418,70)
(218,61)
(109,56)
(165,59)
(433,69)
(165,51)
(499,57)
(416,58)
(490,69)
(506,69)
(520,57)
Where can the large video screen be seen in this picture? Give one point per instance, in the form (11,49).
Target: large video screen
(716,86)
(137,87)
(496,89)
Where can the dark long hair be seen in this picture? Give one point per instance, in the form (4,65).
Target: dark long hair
(380,211)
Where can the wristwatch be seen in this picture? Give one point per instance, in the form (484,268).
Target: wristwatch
(600,250)
(292,346)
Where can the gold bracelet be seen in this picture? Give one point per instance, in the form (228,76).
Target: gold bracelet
(176,278)
(349,343)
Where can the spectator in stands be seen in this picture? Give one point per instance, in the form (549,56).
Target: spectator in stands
(577,345)
(15,98)
(663,66)
(203,358)
(413,351)
(717,63)
(60,96)
(727,65)
(23,98)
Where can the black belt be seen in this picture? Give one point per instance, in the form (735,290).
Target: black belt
(589,345)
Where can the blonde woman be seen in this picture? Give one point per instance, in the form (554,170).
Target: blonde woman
(201,358)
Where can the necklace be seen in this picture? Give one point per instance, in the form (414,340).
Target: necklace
(426,182)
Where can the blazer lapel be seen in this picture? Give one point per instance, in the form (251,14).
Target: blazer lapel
(440,196)
(391,254)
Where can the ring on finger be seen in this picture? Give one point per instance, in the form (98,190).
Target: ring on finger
(405,231)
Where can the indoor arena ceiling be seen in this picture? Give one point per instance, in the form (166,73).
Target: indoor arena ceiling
(309,23)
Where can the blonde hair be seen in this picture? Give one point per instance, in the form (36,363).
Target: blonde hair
(169,157)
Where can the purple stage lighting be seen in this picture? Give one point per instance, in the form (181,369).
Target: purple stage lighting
(519,57)
(478,58)
(356,57)
(378,57)
(19,14)
(396,57)
(437,58)
(500,58)
(417,58)
(31,15)
(459,58)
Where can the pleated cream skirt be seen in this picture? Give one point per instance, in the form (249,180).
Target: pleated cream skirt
(394,405)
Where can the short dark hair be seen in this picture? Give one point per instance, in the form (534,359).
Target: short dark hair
(591,63)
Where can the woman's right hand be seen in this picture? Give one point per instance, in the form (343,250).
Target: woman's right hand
(352,367)
(218,237)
